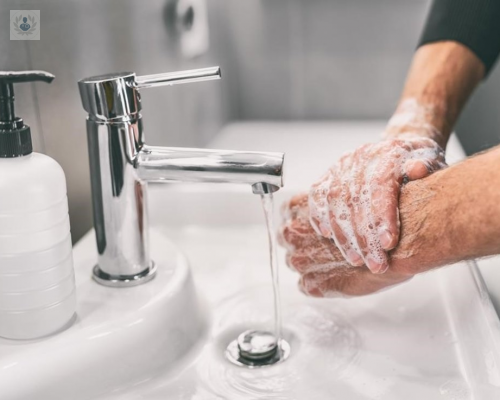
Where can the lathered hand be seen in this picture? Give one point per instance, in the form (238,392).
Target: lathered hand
(442,223)
(323,270)
(356,202)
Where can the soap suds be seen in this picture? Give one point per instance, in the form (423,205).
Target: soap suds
(324,272)
(356,202)
(412,114)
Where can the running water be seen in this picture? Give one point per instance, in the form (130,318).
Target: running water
(268,205)
(257,348)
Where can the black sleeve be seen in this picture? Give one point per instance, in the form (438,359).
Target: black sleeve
(474,23)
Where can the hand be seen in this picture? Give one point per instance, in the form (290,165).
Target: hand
(324,271)
(356,202)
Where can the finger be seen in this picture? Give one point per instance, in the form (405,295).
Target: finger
(364,232)
(299,200)
(310,284)
(417,169)
(385,222)
(280,237)
(368,225)
(298,234)
(420,168)
(295,214)
(358,203)
(299,262)
(384,226)
(298,206)
(307,250)
(318,205)
(291,208)
(285,211)
(307,261)
(288,238)
(351,282)
(345,241)
(321,284)
(340,215)
(368,237)
(312,291)
(429,154)
(321,195)
(288,261)
(316,258)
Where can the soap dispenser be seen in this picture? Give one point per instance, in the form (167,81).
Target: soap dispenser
(37,284)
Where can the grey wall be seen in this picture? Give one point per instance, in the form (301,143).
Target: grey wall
(479,125)
(322,59)
(338,59)
(281,60)
(84,38)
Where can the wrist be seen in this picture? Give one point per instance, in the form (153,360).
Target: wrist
(424,119)
(427,240)
(441,78)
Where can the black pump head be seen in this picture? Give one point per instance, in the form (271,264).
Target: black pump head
(15,136)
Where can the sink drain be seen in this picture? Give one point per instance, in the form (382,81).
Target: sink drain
(255,349)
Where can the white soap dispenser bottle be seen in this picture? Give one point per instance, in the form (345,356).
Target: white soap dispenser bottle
(37,284)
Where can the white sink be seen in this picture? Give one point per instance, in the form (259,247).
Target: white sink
(121,337)
(436,337)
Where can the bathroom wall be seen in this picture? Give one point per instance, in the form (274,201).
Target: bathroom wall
(338,59)
(479,125)
(84,38)
(323,59)
(281,60)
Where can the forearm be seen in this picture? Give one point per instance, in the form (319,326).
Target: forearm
(441,78)
(450,216)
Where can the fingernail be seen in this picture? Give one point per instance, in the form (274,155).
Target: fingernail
(354,258)
(307,292)
(383,269)
(375,267)
(315,292)
(312,291)
(325,232)
(386,239)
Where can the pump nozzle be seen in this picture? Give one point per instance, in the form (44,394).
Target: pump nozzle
(15,136)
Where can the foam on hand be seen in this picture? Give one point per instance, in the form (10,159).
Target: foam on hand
(356,202)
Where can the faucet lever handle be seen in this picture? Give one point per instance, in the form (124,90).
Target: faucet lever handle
(175,78)
(112,96)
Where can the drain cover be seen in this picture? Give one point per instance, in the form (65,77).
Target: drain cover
(257,349)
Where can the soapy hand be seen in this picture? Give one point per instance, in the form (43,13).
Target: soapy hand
(356,202)
(324,271)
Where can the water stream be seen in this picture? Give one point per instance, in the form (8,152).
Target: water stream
(268,206)
(258,348)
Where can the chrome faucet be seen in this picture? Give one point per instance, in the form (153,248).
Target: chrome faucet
(121,165)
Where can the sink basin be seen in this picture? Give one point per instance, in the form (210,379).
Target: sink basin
(121,337)
(435,337)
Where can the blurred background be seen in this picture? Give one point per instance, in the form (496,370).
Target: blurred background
(281,60)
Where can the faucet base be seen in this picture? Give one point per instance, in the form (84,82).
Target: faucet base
(120,281)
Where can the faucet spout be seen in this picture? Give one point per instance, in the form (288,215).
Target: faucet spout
(122,164)
(262,188)
(158,164)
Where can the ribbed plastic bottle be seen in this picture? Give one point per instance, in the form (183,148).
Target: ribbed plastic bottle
(37,284)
